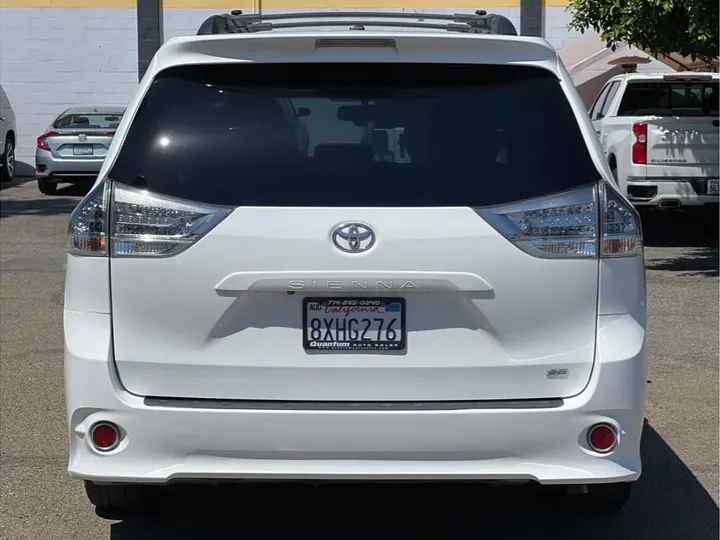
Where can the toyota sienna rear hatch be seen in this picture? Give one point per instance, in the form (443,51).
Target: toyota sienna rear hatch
(354,232)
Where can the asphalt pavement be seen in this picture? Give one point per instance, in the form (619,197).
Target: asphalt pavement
(677,497)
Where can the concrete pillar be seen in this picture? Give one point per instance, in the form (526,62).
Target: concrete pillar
(149,32)
(532,18)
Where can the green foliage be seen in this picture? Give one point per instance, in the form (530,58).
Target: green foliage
(686,27)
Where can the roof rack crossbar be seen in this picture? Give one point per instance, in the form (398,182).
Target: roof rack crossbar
(237,22)
(261,27)
(360,14)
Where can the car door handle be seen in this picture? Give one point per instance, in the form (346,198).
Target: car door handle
(2,118)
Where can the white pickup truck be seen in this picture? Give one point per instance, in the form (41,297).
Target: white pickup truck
(660,135)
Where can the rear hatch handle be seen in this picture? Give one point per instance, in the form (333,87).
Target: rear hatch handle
(352,281)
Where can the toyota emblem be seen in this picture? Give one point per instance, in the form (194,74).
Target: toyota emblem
(353,237)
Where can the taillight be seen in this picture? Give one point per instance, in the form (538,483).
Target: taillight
(87,232)
(126,222)
(639,147)
(621,226)
(587,222)
(42,140)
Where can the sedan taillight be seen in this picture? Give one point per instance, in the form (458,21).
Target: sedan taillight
(42,140)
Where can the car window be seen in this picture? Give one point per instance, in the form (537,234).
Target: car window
(599,100)
(670,99)
(609,98)
(377,134)
(88,121)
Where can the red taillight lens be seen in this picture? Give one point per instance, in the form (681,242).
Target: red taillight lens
(111,133)
(602,438)
(42,140)
(639,147)
(105,437)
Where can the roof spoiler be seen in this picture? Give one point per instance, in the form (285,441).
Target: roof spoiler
(479,22)
(687,76)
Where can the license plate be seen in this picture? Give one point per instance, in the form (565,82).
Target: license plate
(354,324)
(82,150)
(713,186)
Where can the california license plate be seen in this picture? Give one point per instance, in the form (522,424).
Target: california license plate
(82,150)
(713,186)
(354,324)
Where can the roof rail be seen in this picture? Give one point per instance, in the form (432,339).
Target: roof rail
(236,22)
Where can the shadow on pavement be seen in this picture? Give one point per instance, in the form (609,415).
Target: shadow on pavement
(24,169)
(696,262)
(668,503)
(694,237)
(17,182)
(44,205)
(682,229)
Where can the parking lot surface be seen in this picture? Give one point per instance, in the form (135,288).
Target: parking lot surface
(677,497)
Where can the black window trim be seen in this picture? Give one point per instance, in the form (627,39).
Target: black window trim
(600,97)
(612,92)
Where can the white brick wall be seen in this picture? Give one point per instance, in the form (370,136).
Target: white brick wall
(55,58)
(556,27)
(185,22)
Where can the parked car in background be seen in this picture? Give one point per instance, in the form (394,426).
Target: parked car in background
(8,138)
(660,134)
(74,146)
(240,305)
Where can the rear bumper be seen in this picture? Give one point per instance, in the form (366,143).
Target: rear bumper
(50,167)
(670,192)
(167,443)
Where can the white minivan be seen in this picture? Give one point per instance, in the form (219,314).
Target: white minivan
(244,306)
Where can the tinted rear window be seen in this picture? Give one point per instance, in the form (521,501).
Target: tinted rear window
(355,135)
(670,99)
(88,121)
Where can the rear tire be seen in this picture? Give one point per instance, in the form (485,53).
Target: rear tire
(613,170)
(710,215)
(7,167)
(117,497)
(603,498)
(46,187)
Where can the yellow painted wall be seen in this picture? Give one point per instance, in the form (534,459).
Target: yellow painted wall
(67,3)
(338,4)
(226,5)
